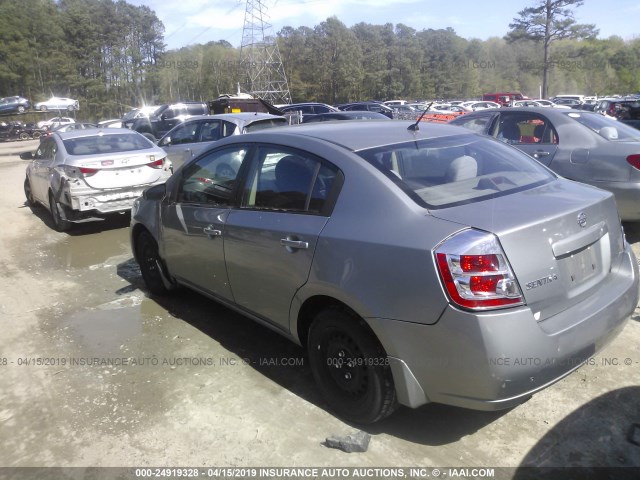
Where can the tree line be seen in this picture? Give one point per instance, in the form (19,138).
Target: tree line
(111,56)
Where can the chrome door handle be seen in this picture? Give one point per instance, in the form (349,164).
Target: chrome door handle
(212,232)
(540,153)
(285,242)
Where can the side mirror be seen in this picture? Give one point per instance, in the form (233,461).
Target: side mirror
(156,193)
(165,141)
(26,155)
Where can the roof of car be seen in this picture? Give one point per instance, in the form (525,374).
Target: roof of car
(242,116)
(367,134)
(90,132)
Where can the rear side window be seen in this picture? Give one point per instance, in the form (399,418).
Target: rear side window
(451,171)
(263,124)
(197,109)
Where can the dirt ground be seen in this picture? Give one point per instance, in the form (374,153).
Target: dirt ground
(196,385)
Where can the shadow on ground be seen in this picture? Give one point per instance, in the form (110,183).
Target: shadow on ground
(260,347)
(599,440)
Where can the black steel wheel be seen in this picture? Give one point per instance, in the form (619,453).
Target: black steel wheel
(350,367)
(150,263)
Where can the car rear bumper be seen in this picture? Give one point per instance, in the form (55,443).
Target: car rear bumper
(103,202)
(497,360)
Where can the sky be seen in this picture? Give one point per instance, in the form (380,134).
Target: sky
(200,21)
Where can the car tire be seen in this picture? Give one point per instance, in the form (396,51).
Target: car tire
(60,222)
(150,263)
(70,108)
(28,193)
(43,108)
(351,367)
(35,135)
(24,136)
(21,109)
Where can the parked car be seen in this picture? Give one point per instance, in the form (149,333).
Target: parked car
(473,106)
(350,115)
(55,122)
(503,98)
(567,102)
(58,103)
(67,127)
(91,173)
(164,118)
(112,123)
(12,105)
(13,131)
(307,108)
(622,109)
(582,146)
(195,135)
(369,107)
(414,265)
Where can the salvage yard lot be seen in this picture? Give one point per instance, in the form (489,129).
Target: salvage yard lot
(95,372)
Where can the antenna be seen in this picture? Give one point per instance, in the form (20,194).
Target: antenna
(415,126)
(260,59)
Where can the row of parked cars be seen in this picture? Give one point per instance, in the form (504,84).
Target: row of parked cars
(282,224)
(17,105)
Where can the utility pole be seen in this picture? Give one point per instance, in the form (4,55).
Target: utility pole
(260,61)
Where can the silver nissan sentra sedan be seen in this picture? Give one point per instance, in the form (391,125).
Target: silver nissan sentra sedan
(415,265)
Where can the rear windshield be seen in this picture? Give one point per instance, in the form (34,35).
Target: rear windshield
(268,123)
(608,128)
(112,143)
(456,170)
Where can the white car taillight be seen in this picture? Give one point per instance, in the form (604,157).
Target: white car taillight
(475,272)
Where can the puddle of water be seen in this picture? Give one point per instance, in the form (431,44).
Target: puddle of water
(88,251)
(102,332)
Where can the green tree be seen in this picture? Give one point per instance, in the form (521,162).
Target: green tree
(546,22)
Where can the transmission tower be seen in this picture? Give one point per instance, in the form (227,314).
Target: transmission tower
(260,60)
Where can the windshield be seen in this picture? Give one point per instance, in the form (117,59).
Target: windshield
(451,171)
(112,143)
(608,128)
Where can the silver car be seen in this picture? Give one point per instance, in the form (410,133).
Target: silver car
(415,264)
(58,103)
(197,134)
(89,173)
(582,146)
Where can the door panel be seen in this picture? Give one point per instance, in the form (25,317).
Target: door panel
(194,220)
(269,257)
(270,241)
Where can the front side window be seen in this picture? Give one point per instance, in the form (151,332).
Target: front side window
(525,128)
(291,180)
(444,172)
(212,179)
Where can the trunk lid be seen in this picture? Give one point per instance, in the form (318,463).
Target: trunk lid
(561,240)
(119,170)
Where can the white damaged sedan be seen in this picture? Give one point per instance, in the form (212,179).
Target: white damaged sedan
(87,174)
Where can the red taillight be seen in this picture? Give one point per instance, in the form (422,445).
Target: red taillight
(634,161)
(156,164)
(87,172)
(475,280)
